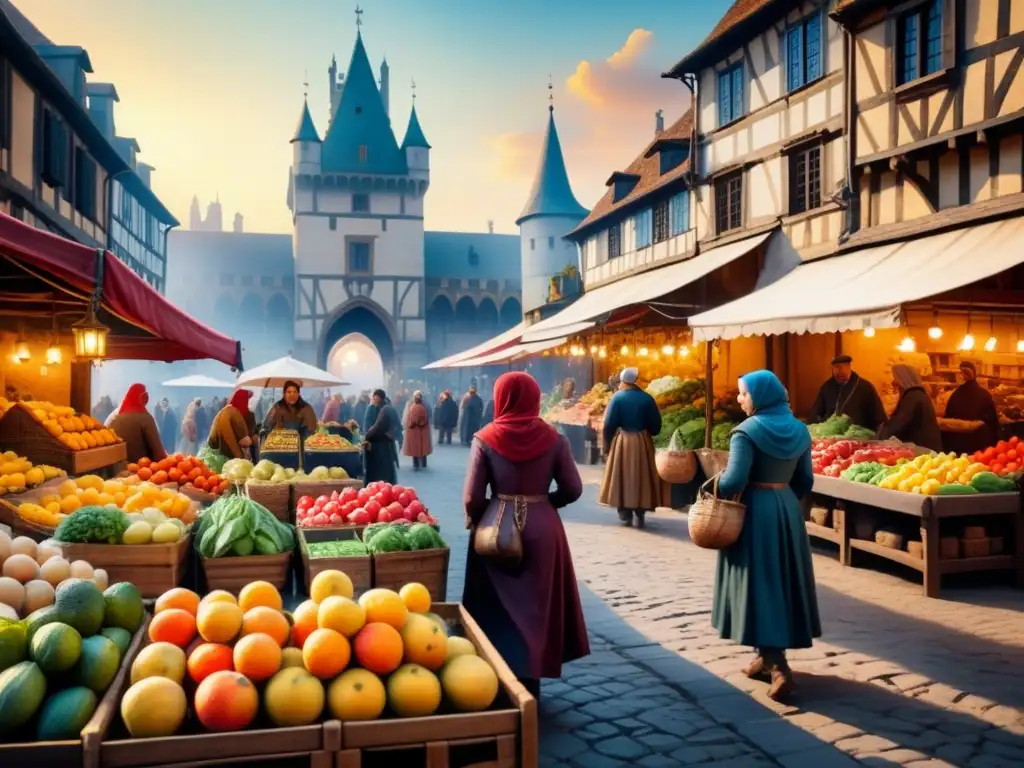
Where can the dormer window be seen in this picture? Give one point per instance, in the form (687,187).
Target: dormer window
(622,184)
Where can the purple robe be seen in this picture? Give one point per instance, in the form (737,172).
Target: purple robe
(531,613)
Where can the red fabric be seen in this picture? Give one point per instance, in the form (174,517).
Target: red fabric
(241,401)
(168,333)
(517,432)
(135,400)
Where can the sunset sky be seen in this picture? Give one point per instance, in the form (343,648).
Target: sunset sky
(212,89)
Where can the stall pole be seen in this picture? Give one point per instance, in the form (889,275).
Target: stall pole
(709,391)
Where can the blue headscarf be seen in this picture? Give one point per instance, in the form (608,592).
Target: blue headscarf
(773,427)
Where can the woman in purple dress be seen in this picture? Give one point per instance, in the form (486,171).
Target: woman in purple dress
(531,611)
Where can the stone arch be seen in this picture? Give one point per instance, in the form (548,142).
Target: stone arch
(511,312)
(359,316)
(251,315)
(487,313)
(465,312)
(440,311)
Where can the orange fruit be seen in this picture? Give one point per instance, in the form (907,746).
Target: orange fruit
(218,596)
(269,622)
(305,621)
(257,656)
(326,653)
(174,626)
(259,593)
(207,659)
(357,694)
(416,597)
(226,701)
(378,648)
(424,642)
(179,597)
(219,622)
(414,691)
(342,615)
(385,606)
(327,583)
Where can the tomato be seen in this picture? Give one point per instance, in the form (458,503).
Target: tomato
(336,519)
(384,516)
(332,508)
(349,494)
(404,499)
(997,468)
(304,503)
(416,508)
(373,507)
(321,519)
(1013,441)
(988,455)
(321,500)
(1012,467)
(398,490)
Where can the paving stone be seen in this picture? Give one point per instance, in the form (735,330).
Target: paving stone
(657,761)
(552,706)
(893,756)
(691,755)
(712,736)
(957,754)
(582,696)
(836,731)
(725,751)
(572,719)
(865,743)
(777,737)
(660,742)
(622,747)
(562,745)
(823,756)
(598,730)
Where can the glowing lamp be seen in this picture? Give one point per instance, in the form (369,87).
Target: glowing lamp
(990,344)
(1020,346)
(53,355)
(21,350)
(624,350)
(90,337)
(602,353)
(684,351)
(935,332)
(908,344)
(869,333)
(968,343)
(668,349)
(642,352)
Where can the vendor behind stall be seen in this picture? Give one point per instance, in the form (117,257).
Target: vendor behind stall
(914,419)
(234,429)
(972,402)
(847,394)
(380,455)
(291,412)
(136,426)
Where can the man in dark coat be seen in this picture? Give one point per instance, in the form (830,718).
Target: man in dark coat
(166,424)
(972,402)
(446,417)
(847,394)
(472,413)
(380,456)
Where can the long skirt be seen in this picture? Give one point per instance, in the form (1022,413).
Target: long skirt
(764,585)
(532,613)
(380,459)
(631,478)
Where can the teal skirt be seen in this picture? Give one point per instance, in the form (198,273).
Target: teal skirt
(764,585)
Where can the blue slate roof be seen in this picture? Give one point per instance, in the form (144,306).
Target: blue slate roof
(551,194)
(414,133)
(469,255)
(306,130)
(361,122)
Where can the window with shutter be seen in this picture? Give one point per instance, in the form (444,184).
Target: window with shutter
(730,94)
(805,180)
(358,257)
(661,222)
(55,150)
(919,40)
(5,105)
(729,202)
(680,208)
(642,224)
(85,184)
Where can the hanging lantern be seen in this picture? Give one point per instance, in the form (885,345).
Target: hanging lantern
(668,349)
(684,351)
(21,350)
(642,352)
(869,333)
(90,336)
(967,344)
(624,350)
(990,342)
(602,353)
(53,354)
(908,344)
(935,332)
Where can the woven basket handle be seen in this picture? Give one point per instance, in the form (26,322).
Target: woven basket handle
(713,482)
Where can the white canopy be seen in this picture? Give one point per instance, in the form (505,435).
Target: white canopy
(641,288)
(277,372)
(510,336)
(199,381)
(866,289)
(507,340)
(508,354)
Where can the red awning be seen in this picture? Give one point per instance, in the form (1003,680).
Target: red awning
(152,328)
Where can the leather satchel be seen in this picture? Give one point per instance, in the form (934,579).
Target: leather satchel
(499,534)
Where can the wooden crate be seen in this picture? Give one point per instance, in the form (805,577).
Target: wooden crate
(315,745)
(233,573)
(359,569)
(79,752)
(276,497)
(393,570)
(153,568)
(20,526)
(503,737)
(21,433)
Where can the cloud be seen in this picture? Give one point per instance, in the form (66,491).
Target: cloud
(624,80)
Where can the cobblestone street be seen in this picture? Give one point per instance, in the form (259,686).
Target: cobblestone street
(897,679)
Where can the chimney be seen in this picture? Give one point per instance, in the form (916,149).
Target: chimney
(659,121)
(102,97)
(237,226)
(490,227)
(70,63)
(385,78)
(145,173)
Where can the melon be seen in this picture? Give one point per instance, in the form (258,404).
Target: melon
(65,714)
(39,619)
(123,606)
(80,602)
(56,648)
(38,594)
(122,638)
(12,593)
(21,567)
(23,545)
(22,690)
(98,663)
(55,570)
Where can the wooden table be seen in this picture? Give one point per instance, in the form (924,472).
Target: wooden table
(855,498)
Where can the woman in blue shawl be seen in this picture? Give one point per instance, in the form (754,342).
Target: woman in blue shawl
(764,586)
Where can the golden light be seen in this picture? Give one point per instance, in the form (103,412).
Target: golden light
(668,349)
(573,350)
(684,351)
(990,344)
(624,350)
(908,344)
(602,353)
(15,359)
(968,343)
(593,350)
(1020,346)
(351,356)
(90,336)
(21,350)
(642,352)
(935,332)
(53,355)
(869,333)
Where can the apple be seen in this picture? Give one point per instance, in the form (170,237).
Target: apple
(412,493)
(332,508)
(334,495)
(349,507)
(404,498)
(321,519)
(364,496)
(360,517)
(415,507)
(384,516)
(373,507)
(349,494)
(336,519)
(304,502)
(398,490)
(384,497)
(321,500)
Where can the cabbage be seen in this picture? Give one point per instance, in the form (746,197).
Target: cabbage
(237,470)
(664,384)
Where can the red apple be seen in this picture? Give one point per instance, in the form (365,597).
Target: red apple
(404,499)
(305,502)
(384,497)
(321,500)
(321,519)
(360,517)
(398,489)
(349,494)
(337,519)
(373,507)
(334,495)
(332,508)
(384,516)
(412,493)
(416,507)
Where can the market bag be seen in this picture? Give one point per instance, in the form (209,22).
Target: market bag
(715,523)
(676,465)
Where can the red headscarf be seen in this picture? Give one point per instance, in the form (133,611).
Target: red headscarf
(135,400)
(517,432)
(240,399)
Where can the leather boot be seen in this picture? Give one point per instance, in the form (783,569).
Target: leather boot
(758,669)
(625,518)
(639,521)
(782,681)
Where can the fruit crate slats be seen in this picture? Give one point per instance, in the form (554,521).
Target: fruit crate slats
(20,433)
(233,573)
(359,569)
(152,568)
(429,567)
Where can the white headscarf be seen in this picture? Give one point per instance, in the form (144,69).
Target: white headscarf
(907,376)
(629,375)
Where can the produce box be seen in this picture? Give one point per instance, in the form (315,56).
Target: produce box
(276,497)
(153,568)
(23,434)
(504,736)
(358,568)
(351,461)
(315,488)
(20,526)
(233,573)
(429,567)
(83,752)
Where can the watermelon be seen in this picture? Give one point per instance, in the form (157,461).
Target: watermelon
(123,606)
(22,690)
(56,648)
(98,663)
(81,605)
(39,619)
(65,714)
(122,638)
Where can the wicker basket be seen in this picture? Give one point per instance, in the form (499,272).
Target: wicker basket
(889,539)
(276,497)
(712,461)
(715,523)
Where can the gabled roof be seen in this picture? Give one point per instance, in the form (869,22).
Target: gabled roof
(359,122)
(845,9)
(742,21)
(414,133)
(552,193)
(306,130)
(647,166)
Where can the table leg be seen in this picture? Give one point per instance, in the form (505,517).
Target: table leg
(930,544)
(845,526)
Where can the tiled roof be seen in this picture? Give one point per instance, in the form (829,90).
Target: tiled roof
(552,193)
(647,166)
(741,11)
